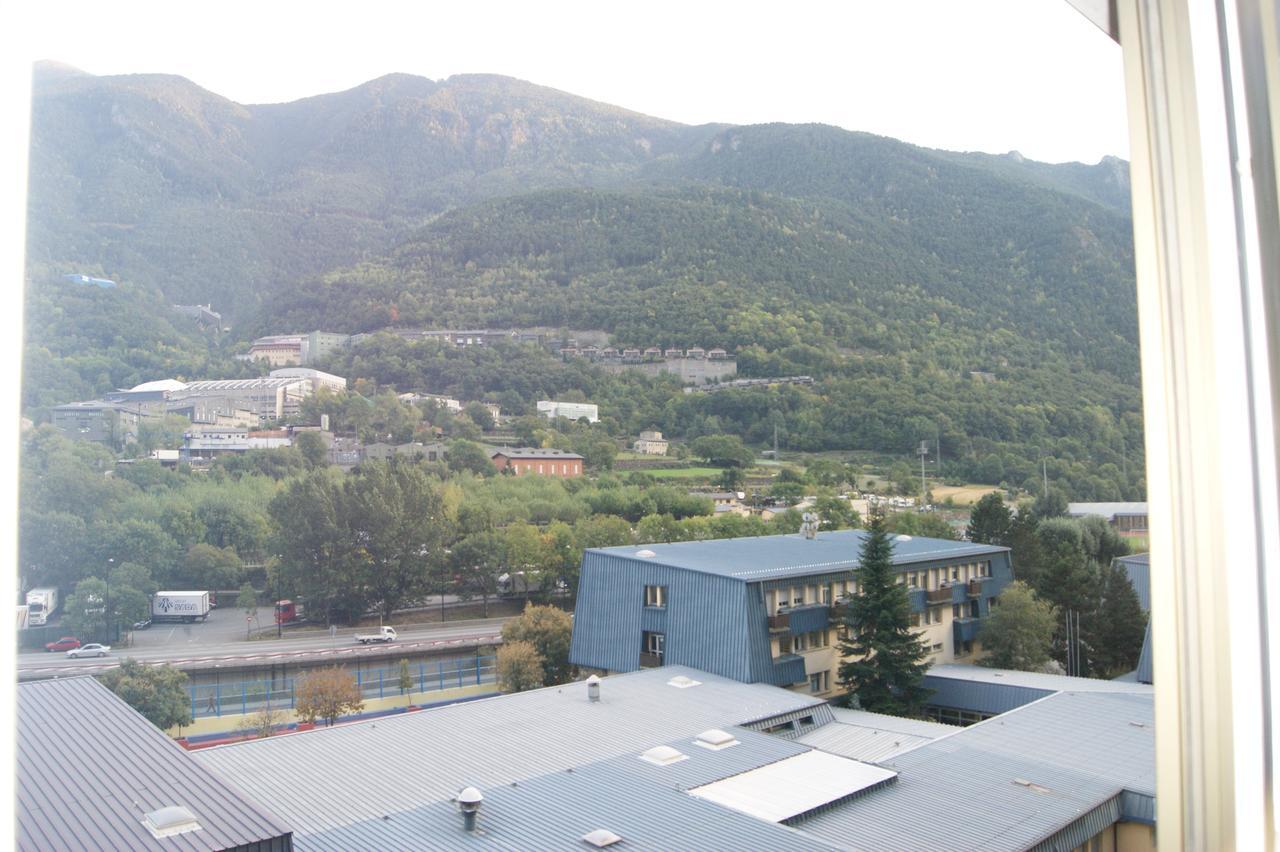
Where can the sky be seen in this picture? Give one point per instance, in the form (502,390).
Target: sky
(988,75)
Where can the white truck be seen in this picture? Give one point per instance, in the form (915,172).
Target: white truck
(179,606)
(41,603)
(384,634)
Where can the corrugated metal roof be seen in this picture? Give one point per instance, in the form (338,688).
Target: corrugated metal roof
(873,737)
(1106,510)
(797,785)
(90,767)
(771,557)
(1033,680)
(1138,569)
(1078,749)
(1144,672)
(396,764)
(554,811)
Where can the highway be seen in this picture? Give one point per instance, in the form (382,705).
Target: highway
(191,647)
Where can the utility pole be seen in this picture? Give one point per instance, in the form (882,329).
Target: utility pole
(924,488)
(1044,463)
(775,442)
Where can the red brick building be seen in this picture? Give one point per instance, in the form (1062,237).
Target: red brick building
(522,460)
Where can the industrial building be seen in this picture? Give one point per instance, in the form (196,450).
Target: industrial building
(765,609)
(670,758)
(551,409)
(526,460)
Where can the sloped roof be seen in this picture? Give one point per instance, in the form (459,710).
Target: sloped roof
(90,766)
(778,556)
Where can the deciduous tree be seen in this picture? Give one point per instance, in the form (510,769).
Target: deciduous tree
(520,666)
(1018,633)
(157,692)
(549,630)
(327,694)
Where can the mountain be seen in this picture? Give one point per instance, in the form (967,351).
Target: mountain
(986,299)
(159,180)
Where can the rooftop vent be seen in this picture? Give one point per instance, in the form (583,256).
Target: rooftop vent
(663,756)
(469,803)
(169,821)
(682,682)
(1030,785)
(601,838)
(645,554)
(715,739)
(593,688)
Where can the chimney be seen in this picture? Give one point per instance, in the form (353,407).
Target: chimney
(469,803)
(593,688)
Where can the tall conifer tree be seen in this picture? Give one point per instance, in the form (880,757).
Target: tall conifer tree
(884,658)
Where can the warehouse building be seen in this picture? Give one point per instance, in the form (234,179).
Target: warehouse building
(766,609)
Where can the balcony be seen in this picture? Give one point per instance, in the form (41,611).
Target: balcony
(916,597)
(938,596)
(780,623)
(805,619)
(789,669)
(965,629)
(975,586)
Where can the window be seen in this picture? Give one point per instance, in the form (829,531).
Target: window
(655,596)
(992,603)
(955,573)
(915,619)
(801,642)
(655,643)
(818,682)
(955,610)
(784,645)
(937,648)
(826,594)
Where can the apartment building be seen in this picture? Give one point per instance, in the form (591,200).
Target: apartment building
(767,609)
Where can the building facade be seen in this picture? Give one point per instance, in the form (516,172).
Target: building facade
(651,443)
(102,421)
(1127,519)
(544,462)
(551,409)
(767,609)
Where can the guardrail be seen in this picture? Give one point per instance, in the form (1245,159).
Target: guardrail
(252,696)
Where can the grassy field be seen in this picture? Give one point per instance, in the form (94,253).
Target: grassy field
(686,473)
(962,495)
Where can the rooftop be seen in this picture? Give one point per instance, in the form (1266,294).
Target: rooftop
(872,737)
(1106,510)
(89,766)
(776,556)
(532,453)
(488,744)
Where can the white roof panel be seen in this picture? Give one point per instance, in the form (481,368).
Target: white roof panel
(793,786)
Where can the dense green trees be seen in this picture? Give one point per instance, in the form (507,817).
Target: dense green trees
(548,630)
(990,520)
(1018,634)
(884,659)
(157,692)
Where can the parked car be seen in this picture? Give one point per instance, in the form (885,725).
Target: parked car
(93,649)
(142,625)
(66,643)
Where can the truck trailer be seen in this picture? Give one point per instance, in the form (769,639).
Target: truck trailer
(179,606)
(41,604)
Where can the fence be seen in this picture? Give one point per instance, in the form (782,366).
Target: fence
(252,696)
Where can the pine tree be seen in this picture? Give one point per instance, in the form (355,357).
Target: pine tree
(884,657)
(1118,626)
(990,520)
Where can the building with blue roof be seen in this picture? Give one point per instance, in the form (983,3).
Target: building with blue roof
(765,609)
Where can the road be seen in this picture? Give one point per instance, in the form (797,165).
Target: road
(189,646)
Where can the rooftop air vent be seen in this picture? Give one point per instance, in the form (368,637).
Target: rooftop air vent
(469,803)
(593,688)
(646,554)
(601,838)
(663,756)
(715,739)
(682,682)
(175,819)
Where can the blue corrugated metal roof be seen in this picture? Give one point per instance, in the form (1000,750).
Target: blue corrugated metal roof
(1145,672)
(1138,569)
(777,556)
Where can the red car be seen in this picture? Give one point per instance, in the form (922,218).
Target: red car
(66,643)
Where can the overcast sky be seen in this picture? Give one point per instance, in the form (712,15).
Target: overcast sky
(986,75)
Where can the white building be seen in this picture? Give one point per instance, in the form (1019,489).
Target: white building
(316,378)
(268,398)
(651,443)
(572,410)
